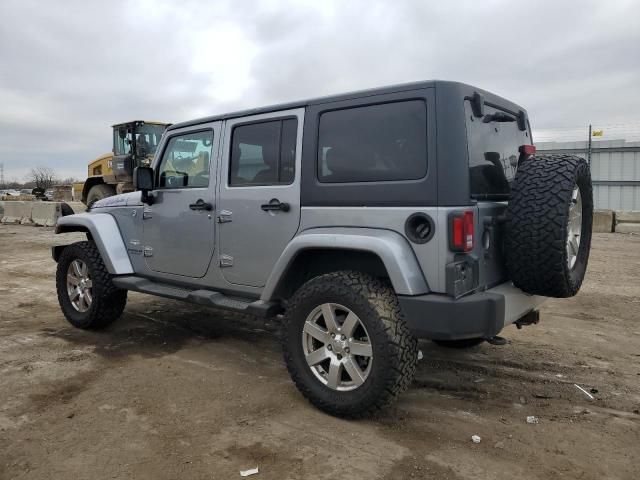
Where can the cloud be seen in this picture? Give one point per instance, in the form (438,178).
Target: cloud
(70,70)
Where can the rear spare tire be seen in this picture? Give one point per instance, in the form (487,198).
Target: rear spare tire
(548,227)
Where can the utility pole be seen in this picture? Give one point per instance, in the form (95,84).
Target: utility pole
(589,148)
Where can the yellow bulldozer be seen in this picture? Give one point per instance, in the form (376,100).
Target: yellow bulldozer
(134,145)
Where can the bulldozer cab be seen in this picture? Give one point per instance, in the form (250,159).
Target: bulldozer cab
(134,145)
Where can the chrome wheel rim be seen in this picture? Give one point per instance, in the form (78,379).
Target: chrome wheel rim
(79,286)
(574,228)
(337,347)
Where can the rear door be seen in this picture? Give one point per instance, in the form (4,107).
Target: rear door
(493,142)
(259,193)
(179,226)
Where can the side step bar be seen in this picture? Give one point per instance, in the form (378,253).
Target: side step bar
(208,298)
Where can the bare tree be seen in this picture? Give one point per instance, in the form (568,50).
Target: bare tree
(67,181)
(43,177)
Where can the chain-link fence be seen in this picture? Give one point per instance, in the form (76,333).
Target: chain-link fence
(614,154)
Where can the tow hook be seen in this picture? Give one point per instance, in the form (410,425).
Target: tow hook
(531,318)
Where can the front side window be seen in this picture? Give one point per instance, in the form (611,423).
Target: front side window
(185,162)
(383,142)
(263,153)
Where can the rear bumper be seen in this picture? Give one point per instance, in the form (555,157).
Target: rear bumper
(482,314)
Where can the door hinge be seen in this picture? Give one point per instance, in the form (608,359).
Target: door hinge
(225,216)
(226,261)
(148,251)
(147,213)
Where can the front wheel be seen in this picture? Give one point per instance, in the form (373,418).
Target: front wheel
(87,296)
(346,344)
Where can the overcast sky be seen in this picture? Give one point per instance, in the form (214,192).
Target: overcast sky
(70,69)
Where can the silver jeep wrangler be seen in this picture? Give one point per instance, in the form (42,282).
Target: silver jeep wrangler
(367,220)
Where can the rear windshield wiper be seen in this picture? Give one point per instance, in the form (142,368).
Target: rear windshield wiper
(498,117)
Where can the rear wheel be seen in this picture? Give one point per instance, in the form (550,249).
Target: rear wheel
(346,344)
(87,296)
(548,228)
(98,192)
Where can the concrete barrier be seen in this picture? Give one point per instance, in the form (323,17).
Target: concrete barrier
(627,222)
(17,212)
(603,221)
(627,217)
(46,214)
(628,228)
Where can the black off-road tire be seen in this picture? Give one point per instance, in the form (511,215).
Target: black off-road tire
(108,301)
(537,223)
(98,192)
(460,344)
(394,349)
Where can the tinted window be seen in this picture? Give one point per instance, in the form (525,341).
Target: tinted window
(373,143)
(185,162)
(493,152)
(263,153)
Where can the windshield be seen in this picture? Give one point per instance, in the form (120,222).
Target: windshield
(148,138)
(493,143)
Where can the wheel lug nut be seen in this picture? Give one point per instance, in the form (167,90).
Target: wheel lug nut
(333,335)
(346,350)
(329,347)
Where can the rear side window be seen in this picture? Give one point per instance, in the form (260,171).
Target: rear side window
(383,142)
(493,152)
(263,153)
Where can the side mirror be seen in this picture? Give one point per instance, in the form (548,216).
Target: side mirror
(143,181)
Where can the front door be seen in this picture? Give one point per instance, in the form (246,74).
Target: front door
(179,226)
(259,193)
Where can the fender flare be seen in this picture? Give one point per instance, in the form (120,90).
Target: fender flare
(392,248)
(106,235)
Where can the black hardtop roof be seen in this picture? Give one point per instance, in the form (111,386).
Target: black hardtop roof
(346,96)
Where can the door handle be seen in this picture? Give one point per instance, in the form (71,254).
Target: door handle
(201,205)
(275,204)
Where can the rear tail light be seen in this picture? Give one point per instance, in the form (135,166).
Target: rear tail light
(527,149)
(461,231)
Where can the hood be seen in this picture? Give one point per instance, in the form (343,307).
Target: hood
(122,200)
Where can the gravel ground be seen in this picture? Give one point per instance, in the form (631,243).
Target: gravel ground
(178,391)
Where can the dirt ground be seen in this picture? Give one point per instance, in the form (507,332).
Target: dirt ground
(179,391)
